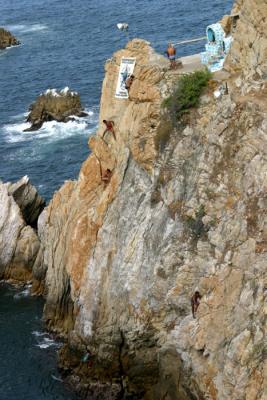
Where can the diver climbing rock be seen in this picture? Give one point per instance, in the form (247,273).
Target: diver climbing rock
(195,301)
(105,175)
(109,128)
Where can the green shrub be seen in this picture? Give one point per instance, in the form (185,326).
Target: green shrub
(196,225)
(187,93)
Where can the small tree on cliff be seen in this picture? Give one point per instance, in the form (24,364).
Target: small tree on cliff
(187,93)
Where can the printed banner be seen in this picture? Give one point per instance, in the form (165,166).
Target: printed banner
(126,70)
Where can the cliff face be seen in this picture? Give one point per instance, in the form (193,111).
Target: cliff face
(248,54)
(124,258)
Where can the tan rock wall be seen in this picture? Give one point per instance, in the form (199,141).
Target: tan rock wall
(19,244)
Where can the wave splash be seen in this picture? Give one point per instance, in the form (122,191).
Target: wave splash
(23,293)
(44,341)
(52,130)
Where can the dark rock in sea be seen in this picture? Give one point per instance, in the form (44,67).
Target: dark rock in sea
(35,126)
(7,39)
(54,105)
(27,198)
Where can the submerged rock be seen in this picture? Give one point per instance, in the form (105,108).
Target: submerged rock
(54,105)
(7,39)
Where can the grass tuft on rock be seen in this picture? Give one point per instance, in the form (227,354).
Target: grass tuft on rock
(187,93)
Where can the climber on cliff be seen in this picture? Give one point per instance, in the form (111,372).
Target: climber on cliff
(171,54)
(109,128)
(105,175)
(88,358)
(195,301)
(129,82)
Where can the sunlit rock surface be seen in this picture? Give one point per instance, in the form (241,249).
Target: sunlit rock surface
(123,259)
(54,105)
(7,39)
(20,250)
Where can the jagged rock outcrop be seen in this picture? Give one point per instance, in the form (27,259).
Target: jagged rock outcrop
(54,105)
(123,259)
(31,204)
(7,39)
(20,250)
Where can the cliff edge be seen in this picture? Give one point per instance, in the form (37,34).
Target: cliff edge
(124,256)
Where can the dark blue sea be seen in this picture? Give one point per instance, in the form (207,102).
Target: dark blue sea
(28,369)
(66,43)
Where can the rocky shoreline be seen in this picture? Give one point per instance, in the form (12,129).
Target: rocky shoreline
(7,39)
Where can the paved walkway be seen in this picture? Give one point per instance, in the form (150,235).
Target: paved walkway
(190,64)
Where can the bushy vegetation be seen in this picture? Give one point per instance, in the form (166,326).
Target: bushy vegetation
(196,225)
(187,93)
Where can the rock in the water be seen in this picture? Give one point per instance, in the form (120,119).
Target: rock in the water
(27,198)
(7,39)
(54,105)
(20,250)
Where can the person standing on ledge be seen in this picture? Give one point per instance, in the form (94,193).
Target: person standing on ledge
(171,54)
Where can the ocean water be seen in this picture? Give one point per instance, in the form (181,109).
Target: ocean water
(66,43)
(28,369)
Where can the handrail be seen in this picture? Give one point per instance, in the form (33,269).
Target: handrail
(191,40)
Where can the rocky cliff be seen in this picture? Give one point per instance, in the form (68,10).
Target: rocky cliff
(124,257)
(20,250)
(248,53)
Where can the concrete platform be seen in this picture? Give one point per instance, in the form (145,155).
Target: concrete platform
(190,64)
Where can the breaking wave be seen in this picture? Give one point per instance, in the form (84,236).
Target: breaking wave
(52,130)
(24,293)
(44,342)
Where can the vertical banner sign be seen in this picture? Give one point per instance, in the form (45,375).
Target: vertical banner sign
(126,70)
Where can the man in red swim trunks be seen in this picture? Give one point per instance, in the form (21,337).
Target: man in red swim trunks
(109,128)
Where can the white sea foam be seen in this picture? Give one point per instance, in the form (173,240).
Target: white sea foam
(43,345)
(56,378)
(38,334)
(46,342)
(23,293)
(20,116)
(51,130)
(20,28)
